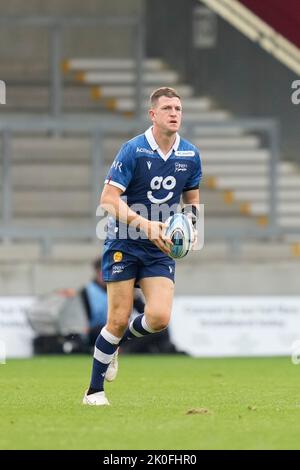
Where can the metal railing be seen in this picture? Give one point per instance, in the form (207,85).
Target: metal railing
(97,130)
(270,128)
(56,26)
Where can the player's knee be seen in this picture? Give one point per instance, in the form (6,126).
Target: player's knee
(159,322)
(118,323)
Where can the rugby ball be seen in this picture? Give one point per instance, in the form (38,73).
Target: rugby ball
(180,231)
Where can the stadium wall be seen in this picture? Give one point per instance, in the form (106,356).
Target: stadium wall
(204,278)
(236,72)
(31,43)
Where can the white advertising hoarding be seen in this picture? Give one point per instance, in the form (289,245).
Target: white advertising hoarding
(200,326)
(236,326)
(15,332)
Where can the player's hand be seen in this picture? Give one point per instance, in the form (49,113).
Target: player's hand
(155,232)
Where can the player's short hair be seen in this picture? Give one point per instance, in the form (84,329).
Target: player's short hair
(163,91)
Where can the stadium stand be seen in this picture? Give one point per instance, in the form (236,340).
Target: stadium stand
(52,173)
(284,17)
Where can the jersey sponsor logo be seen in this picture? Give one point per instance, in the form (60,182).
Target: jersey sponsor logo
(180,167)
(117,165)
(158,182)
(143,150)
(185,153)
(118,256)
(149,165)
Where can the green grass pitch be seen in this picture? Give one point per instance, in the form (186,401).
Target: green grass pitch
(157,402)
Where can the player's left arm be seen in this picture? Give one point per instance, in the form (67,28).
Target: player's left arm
(191,197)
(191,193)
(191,202)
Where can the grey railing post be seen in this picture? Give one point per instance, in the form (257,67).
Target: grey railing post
(96,175)
(140,56)
(273,177)
(55,70)
(46,244)
(7,179)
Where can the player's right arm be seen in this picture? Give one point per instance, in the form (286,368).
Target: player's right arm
(111,202)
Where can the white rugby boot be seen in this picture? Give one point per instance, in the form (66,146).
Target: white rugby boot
(112,369)
(95,399)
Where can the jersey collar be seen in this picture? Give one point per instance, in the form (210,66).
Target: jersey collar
(154,145)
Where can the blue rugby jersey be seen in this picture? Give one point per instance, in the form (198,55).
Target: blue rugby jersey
(152,183)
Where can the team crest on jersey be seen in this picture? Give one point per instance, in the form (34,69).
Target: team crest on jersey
(149,165)
(118,256)
(180,167)
(185,153)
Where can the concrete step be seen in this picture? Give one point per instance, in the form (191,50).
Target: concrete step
(55,222)
(37,98)
(214,204)
(255,168)
(188,104)
(52,203)
(51,150)
(206,130)
(30,251)
(259,182)
(284,208)
(110,64)
(22,71)
(45,176)
(289,221)
(127,77)
(234,222)
(129,91)
(60,251)
(266,251)
(262,195)
(231,142)
(236,156)
(248,251)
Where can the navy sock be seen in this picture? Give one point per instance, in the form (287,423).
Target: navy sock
(105,347)
(137,328)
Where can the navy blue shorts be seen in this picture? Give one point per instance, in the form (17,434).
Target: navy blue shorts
(125,259)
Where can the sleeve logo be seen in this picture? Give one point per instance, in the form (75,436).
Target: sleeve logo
(117,165)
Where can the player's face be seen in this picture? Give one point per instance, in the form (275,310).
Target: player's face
(166,114)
